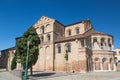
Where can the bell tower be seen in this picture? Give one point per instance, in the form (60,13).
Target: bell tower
(45,30)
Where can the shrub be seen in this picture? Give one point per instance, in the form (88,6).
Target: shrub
(14,63)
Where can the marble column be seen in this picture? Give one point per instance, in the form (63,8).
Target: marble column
(101,66)
(99,42)
(114,67)
(106,44)
(93,66)
(112,47)
(109,68)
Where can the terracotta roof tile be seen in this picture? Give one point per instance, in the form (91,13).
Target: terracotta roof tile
(86,34)
(12,48)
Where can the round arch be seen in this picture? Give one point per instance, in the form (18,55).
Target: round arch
(97,63)
(105,63)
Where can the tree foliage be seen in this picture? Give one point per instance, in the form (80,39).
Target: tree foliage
(66,55)
(14,63)
(21,47)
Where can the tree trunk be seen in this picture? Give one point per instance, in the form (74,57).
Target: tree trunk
(31,71)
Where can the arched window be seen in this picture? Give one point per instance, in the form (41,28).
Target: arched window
(48,37)
(68,46)
(69,32)
(43,29)
(77,31)
(96,59)
(42,39)
(103,44)
(111,60)
(95,42)
(104,60)
(59,49)
(109,43)
(97,63)
(48,26)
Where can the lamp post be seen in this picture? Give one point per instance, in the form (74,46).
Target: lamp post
(26,69)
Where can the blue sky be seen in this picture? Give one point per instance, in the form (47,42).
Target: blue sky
(16,16)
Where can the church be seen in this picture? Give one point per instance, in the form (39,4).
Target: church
(88,50)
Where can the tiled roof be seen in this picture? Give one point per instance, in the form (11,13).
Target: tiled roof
(101,33)
(77,22)
(12,48)
(86,34)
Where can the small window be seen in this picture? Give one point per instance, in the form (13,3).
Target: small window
(101,44)
(42,39)
(59,49)
(69,32)
(68,48)
(48,37)
(43,30)
(77,31)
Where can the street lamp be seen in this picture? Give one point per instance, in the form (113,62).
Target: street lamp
(26,69)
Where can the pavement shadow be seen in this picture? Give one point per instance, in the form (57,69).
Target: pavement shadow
(4,71)
(42,74)
(36,71)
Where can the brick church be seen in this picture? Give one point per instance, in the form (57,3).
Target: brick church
(88,50)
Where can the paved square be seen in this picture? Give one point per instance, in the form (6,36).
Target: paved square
(15,75)
(76,76)
(85,76)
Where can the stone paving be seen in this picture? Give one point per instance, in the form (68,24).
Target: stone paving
(84,76)
(15,75)
(5,75)
(87,76)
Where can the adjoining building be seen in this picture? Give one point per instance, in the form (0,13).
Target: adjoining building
(117,58)
(6,57)
(0,61)
(87,49)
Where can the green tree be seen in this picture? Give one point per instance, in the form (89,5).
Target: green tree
(21,48)
(66,58)
(14,63)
